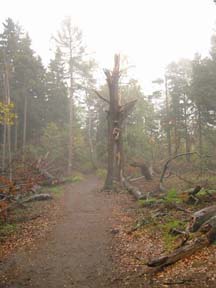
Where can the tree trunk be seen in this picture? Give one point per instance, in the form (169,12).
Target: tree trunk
(16,136)
(138,195)
(201,217)
(7,133)
(115,117)
(90,141)
(71,109)
(4,146)
(169,147)
(24,124)
(187,140)
(114,127)
(179,253)
(200,131)
(70,146)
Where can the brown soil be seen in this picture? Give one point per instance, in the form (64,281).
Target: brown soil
(76,252)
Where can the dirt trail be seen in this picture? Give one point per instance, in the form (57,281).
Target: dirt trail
(76,253)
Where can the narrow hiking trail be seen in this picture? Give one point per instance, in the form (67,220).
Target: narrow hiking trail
(76,253)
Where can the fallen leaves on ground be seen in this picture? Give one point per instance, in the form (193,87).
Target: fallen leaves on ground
(133,250)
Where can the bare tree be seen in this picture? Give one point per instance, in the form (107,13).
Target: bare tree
(116,115)
(69,41)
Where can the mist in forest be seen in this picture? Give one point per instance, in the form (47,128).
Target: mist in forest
(52,61)
(109,96)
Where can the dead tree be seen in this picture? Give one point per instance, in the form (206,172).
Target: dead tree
(116,115)
(166,166)
(145,171)
(203,221)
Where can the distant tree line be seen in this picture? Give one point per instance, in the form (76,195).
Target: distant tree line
(55,110)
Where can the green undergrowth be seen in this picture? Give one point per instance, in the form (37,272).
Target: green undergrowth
(148,202)
(7,229)
(204,192)
(169,239)
(170,197)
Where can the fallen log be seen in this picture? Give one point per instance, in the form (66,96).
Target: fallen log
(38,197)
(204,221)
(209,227)
(18,203)
(200,217)
(36,188)
(179,253)
(133,190)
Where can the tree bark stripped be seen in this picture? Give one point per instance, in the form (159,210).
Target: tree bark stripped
(116,115)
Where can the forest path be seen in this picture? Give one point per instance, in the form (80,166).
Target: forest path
(76,253)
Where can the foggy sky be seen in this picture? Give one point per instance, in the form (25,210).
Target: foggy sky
(151,32)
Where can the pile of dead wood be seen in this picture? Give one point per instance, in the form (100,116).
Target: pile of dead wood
(147,173)
(25,186)
(203,223)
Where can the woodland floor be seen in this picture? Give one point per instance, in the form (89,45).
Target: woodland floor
(81,240)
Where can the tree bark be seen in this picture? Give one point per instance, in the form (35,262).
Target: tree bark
(200,131)
(24,124)
(71,106)
(116,115)
(144,170)
(169,147)
(179,253)
(201,217)
(115,164)
(187,140)
(138,195)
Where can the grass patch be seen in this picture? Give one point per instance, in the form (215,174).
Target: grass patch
(172,197)
(148,202)
(169,239)
(7,229)
(204,192)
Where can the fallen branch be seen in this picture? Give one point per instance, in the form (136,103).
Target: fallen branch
(200,217)
(166,165)
(184,179)
(204,221)
(178,282)
(38,197)
(179,253)
(133,190)
(136,179)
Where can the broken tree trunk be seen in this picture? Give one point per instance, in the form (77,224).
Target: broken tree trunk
(145,171)
(203,220)
(116,115)
(179,253)
(38,197)
(133,190)
(166,166)
(201,217)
